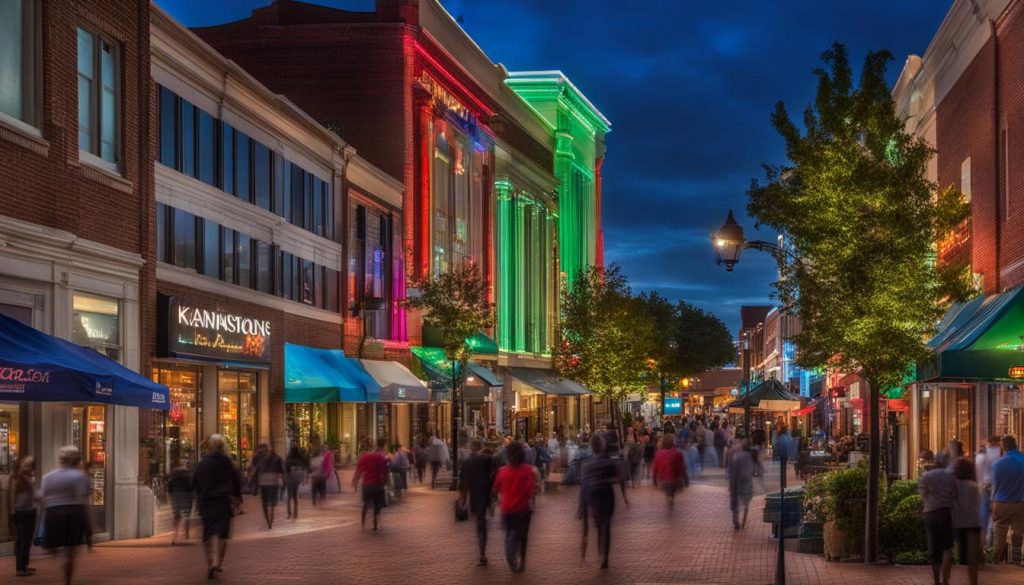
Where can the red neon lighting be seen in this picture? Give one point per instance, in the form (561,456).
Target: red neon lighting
(425,157)
(483,110)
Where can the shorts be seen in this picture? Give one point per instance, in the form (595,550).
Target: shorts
(374,494)
(270,494)
(66,526)
(938,529)
(216,516)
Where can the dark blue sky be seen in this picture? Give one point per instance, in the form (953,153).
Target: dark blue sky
(689,87)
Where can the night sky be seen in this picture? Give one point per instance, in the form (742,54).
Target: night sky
(689,87)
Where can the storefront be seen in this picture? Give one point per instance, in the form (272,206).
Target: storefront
(480,392)
(403,402)
(216,365)
(552,403)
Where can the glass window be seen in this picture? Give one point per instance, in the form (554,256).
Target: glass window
(441,182)
(318,286)
(264,266)
(10,436)
(278,166)
(317,195)
(287,290)
(243,258)
(310,189)
(261,175)
(168,128)
(88,433)
(206,142)
(460,234)
(298,193)
(182,432)
(331,287)
(237,413)
(184,239)
(96,324)
(227,158)
(296,278)
(228,255)
(211,249)
(286,188)
(308,285)
(18,66)
(97,96)
(328,211)
(161,233)
(188,138)
(242,158)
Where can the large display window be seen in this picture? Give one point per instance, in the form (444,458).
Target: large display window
(237,412)
(306,419)
(182,432)
(89,434)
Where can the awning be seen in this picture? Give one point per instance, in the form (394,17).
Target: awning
(980,344)
(548,381)
(432,364)
(485,375)
(397,383)
(325,375)
(480,343)
(768,395)
(895,405)
(37,367)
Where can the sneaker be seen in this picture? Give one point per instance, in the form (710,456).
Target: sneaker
(482,562)
(25,573)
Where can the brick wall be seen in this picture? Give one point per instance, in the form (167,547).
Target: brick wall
(1011,98)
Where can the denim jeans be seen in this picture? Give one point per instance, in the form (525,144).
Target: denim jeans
(517,528)
(25,527)
(481,532)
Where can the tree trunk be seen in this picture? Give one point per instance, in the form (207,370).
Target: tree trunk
(874,472)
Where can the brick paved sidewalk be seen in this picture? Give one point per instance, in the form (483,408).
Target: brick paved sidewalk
(420,544)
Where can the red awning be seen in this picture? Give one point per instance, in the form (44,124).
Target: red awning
(898,405)
(804,411)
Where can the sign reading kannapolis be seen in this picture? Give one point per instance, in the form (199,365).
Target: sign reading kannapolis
(194,329)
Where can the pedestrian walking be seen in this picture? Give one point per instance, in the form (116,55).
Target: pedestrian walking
(420,457)
(437,454)
(967,517)
(597,496)
(650,446)
(1008,495)
(179,490)
(634,458)
(252,473)
(515,484)
(372,469)
(669,469)
(296,468)
(65,494)
(938,489)
(269,475)
(477,481)
(987,457)
(218,489)
(710,453)
(741,485)
(720,442)
(399,466)
(22,504)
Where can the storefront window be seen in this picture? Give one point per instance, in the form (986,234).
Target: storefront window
(237,416)
(10,427)
(306,419)
(96,324)
(88,433)
(441,195)
(182,432)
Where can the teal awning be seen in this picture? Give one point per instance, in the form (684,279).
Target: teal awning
(325,375)
(480,343)
(548,382)
(486,375)
(431,364)
(981,342)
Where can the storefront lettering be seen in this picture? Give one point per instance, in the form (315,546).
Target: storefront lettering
(194,330)
(23,375)
(202,318)
(443,98)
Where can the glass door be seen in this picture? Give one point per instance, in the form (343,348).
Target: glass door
(237,413)
(182,433)
(88,433)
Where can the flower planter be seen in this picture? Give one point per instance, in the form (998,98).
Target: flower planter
(834,542)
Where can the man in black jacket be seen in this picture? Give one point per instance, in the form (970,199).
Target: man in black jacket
(476,481)
(218,488)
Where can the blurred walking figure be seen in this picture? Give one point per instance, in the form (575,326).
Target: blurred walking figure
(24,497)
(938,489)
(741,484)
(669,469)
(437,454)
(477,477)
(967,517)
(516,485)
(399,469)
(421,459)
(321,469)
(252,476)
(217,488)
(1008,495)
(987,456)
(634,457)
(372,468)
(269,475)
(296,467)
(179,488)
(65,494)
(597,496)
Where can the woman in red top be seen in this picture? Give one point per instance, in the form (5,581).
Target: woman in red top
(372,468)
(516,485)
(668,469)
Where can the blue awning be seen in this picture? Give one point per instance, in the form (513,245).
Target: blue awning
(37,367)
(325,375)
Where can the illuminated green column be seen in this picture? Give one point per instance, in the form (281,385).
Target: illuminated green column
(505,252)
(520,242)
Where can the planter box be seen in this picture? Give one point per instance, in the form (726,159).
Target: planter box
(812,530)
(811,545)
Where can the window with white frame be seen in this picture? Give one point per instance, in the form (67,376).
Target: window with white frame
(18,60)
(98,86)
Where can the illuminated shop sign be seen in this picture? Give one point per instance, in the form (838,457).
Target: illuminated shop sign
(195,329)
(443,98)
(673,405)
(1017,372)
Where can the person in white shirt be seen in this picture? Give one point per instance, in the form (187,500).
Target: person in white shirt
(987,456)
(65,494)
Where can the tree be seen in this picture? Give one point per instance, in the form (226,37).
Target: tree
(861,219)
(456,303)
(604,336)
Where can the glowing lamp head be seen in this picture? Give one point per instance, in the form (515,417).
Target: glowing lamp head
(728,242)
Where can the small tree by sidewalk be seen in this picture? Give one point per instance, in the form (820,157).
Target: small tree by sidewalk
(456,303)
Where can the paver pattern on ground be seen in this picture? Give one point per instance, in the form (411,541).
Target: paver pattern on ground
(420,544)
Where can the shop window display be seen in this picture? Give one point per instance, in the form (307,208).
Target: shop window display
(182,433)
(237,413)
(88,433)
(96,324)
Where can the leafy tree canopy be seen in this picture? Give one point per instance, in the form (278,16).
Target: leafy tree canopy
(686,340)
(456,303)
(862,219)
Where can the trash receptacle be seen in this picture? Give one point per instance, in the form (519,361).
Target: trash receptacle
(790,513)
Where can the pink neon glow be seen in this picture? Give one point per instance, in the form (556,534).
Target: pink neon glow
(483,110)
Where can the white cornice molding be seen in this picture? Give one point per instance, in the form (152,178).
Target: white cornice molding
(374,182)
(192,279)
(508,162)
(198,198)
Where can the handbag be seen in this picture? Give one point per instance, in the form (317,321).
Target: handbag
(461,512)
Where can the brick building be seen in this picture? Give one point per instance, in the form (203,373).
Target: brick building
(965,96)
(76,201)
